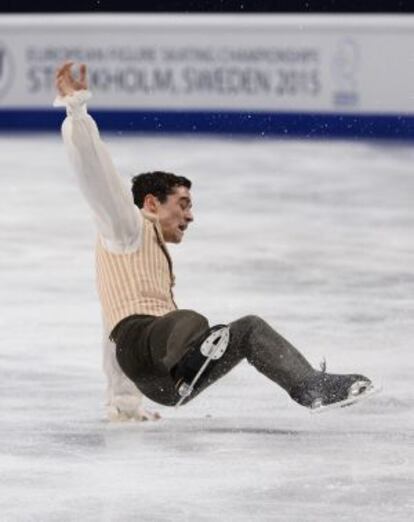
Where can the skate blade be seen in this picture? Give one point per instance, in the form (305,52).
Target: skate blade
(358,392)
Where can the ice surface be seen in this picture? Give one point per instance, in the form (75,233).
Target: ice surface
(315,237)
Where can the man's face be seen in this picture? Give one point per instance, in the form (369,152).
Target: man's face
(175,215)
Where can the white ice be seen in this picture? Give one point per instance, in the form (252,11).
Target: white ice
(315,237)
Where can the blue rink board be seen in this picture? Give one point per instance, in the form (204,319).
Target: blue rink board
(305,125)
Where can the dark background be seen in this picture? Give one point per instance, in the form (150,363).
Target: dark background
(218,6)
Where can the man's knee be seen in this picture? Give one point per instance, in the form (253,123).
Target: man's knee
(253,320)
(248,323)
(190,318)
(179,330)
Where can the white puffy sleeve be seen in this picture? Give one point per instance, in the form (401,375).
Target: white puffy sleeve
(117,218)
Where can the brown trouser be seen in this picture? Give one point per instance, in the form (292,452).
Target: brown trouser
(148,348)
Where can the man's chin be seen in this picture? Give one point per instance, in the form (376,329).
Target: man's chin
(174,239)
(174,236)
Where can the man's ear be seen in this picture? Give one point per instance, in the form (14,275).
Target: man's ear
(151,203)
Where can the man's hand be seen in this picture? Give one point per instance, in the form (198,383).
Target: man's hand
(66,84)
(128,408)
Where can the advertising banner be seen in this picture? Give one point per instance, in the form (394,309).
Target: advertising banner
(247,65)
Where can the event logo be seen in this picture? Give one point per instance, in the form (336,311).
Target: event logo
(6,69)
(345,67)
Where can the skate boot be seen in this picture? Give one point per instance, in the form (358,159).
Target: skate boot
(322,390)
(195,364)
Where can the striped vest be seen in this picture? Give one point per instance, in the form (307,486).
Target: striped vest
(139,282)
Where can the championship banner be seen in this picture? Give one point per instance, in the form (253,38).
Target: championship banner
(264,74)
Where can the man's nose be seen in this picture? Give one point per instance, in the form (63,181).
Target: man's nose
(189,216)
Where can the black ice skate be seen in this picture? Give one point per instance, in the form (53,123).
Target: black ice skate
(194,365)
(326,390)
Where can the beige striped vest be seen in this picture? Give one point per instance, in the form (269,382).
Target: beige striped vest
(139,282)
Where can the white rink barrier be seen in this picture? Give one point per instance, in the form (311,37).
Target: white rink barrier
(312,76)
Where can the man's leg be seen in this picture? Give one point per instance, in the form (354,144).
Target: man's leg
(266,350)
(149,347)
(150,355)
(251,338)
(151,359)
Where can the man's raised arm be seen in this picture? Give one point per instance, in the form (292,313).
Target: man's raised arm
(117,218)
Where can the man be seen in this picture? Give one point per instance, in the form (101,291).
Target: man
(171,355)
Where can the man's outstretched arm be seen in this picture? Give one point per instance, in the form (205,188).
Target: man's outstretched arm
(118,219)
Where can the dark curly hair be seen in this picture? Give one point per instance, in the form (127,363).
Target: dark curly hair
(159,184)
